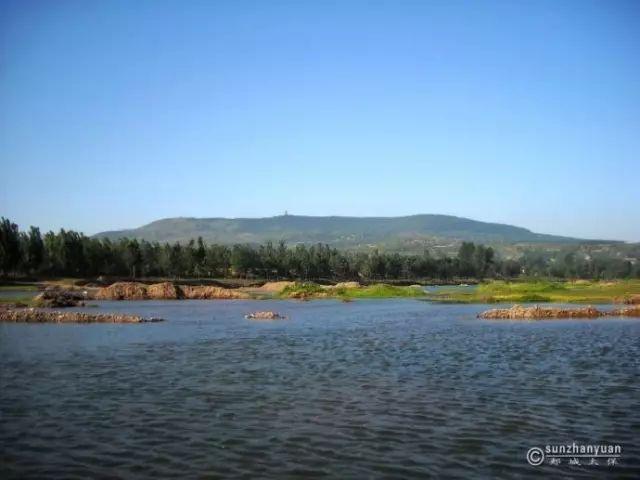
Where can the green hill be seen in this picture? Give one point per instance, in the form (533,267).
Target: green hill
(395,233)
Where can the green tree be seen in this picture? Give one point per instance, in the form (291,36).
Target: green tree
(200,258)
(34,250)
(133,257)
(244,260)
(10,252)
(466,259)
(393,267)
(176,265)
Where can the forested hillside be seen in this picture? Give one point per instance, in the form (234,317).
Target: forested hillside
(69,253)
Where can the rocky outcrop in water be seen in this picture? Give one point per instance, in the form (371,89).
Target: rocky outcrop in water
(519,312)
(627,312)
(34,315)
(165,291)
(203,292)
(123,291)
(522,312)
(264,316)
(59,298)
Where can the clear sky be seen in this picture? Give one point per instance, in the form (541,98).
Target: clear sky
(114,114)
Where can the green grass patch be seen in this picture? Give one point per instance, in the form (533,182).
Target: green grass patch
(17,299)
(580,291)
(13,288)
(378,290)
(301,290)
(382,290)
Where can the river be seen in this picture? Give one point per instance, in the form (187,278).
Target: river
(368,389)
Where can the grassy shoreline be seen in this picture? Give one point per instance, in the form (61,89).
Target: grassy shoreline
(543,291)
(350,291)
(345,291)
(495,291)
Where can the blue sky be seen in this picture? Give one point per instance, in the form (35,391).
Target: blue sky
(114,114)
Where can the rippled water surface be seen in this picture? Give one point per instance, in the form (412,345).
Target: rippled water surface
(369,389)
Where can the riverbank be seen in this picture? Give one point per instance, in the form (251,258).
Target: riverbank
(543,291)
(59,294)
(64,292)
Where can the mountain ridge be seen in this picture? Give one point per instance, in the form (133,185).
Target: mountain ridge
(339,231)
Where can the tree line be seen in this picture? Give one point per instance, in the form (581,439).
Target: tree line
(73,254)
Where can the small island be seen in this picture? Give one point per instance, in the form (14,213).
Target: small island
(34,315)
(519,312)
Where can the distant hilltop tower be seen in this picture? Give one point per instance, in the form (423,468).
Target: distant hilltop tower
(286,212)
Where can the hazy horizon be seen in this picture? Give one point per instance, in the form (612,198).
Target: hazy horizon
(117,114)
